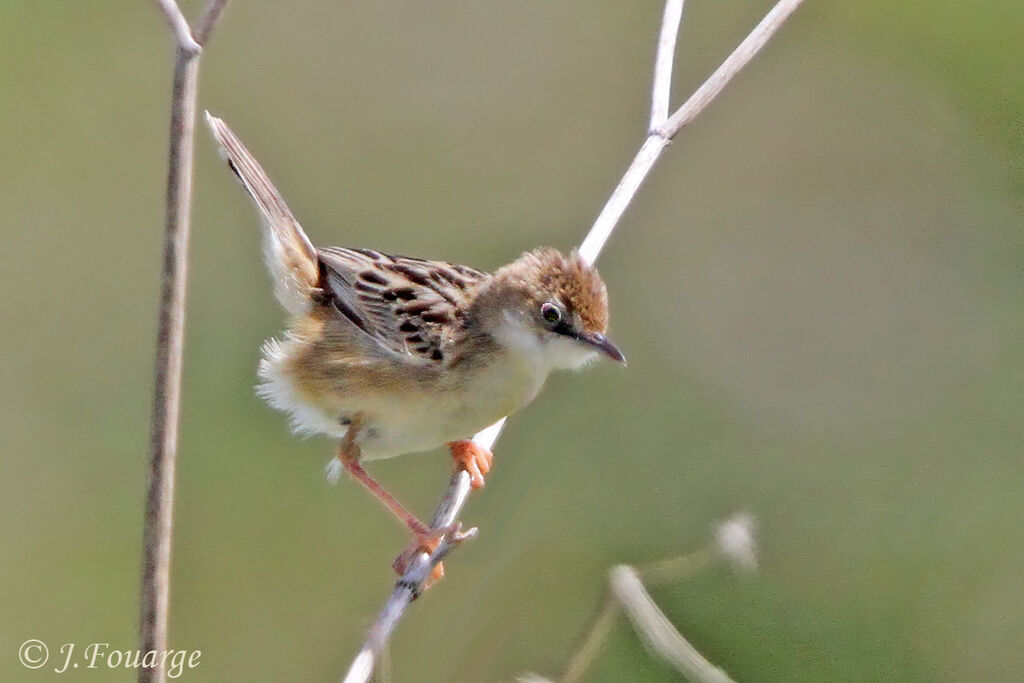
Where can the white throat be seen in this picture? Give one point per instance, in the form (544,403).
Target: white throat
(544,351)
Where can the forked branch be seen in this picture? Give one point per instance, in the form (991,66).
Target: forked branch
(662,129)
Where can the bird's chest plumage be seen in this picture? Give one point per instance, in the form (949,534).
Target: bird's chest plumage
(418,420)
(403,409)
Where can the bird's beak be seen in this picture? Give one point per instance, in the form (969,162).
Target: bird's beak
(603,344)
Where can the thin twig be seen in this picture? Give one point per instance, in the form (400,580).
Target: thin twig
(662,131)
(732,65)
(621,197)
(661,90)
(167,392)
(159,521)
(657,631)
(673,568)
(207,22)
(598,631)
(734,542)
(413,579)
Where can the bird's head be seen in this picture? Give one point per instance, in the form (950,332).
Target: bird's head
(549,306)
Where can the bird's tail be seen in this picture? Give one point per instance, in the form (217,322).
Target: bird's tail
(290,255)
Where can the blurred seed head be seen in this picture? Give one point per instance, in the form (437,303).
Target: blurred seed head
(735,540)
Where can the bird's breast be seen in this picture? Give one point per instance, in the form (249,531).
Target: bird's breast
(457,409)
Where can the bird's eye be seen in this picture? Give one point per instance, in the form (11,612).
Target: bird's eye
(551,313)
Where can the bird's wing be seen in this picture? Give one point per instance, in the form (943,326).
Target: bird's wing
(408,306)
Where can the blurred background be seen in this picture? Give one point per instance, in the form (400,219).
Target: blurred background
(819,291)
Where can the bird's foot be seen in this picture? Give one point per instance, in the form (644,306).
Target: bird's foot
(401,562)
(473,458)
(426,542)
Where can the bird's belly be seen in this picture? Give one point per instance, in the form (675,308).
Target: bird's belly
(422,421)
(401,414)
(420,426)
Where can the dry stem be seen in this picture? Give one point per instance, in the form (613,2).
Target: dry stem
(734,542)
(159,522)
(657,631)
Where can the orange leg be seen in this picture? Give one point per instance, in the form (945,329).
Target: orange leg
(426,538)
(473,458)
(420,530)
(348,456)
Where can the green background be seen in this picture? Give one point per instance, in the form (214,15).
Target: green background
(819,291)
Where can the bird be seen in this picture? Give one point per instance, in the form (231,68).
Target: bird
(394,355)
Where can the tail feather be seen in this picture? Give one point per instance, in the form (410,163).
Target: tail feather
(290,255)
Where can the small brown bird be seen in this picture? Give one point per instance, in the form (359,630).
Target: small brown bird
(396,355)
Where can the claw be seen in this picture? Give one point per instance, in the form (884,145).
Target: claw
(473,458)
(421,545)
(428,543)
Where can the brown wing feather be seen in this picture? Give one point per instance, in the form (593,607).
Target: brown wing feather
(409,306)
